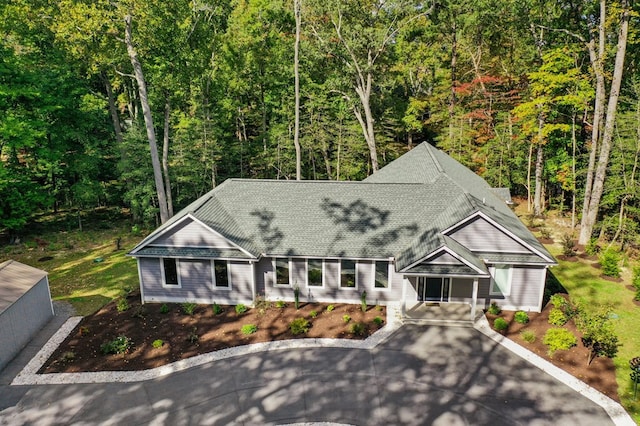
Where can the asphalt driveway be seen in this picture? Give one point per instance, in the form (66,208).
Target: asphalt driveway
(427,375)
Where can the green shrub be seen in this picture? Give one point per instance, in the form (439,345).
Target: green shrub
(558,301)
(157,343)
(330,308)
(249,329)
(597,333)
(122,305)
(357,328)
(635,280)
(67,356)
(363,301)
(545,233)
(557,317)
(119,345)
(193,336)
(378,321)
(296,296)
(188,308)
(568,245)
(299,326)
(637,296)
(592,247)
(500,324)
(494,309)
(217,309)
(281,304)
(380,308)
(521,317)
(84,330)
(313,314)
(140,312)
(559,339)
(241,309)
(164,308)
(346,318)
(528,336)
(610,262)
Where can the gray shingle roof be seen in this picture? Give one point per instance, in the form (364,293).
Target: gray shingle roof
(400,212)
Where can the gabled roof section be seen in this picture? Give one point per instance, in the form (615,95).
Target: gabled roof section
(416,166)
(459,261)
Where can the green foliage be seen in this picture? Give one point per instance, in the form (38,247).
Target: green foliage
(357,328)
(559,339)
(500,324)
(378,321)
(635,280)
(299,326)
(568,245)
(188,308)
(313,314)
(67,357)
(158,343)
(557,317)
(592,248)
(634,364)
(545,233)
(122,305)
(598,334)
(558,301)
(193,337)
(164,308)
(241,308)
(330,308)
(119,345)
(217,309)
(363,301)
(610,262)
(281,304)
(296,296)
(528,336)
(494,309)
(346,318)
(249,329)
(140,312)
(521,317)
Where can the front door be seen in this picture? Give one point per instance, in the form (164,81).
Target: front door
(433,289)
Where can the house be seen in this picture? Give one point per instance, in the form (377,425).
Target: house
(25,306)
(422,230)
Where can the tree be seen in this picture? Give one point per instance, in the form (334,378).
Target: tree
(296,73)
(601,137)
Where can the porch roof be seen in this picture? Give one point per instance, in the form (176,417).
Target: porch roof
(450,270)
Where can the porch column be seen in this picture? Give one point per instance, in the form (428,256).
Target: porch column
(474,299)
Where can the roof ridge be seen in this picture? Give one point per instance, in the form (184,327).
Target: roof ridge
(439,166)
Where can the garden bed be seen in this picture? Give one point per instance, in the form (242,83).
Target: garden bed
(163,334)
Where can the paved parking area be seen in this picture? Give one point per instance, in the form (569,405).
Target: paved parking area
(420,375)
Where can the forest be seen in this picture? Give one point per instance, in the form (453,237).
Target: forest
(147,104)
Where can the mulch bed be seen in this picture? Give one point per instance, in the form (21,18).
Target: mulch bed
(144,324)
(600,374)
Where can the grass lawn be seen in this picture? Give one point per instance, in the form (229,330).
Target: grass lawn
(584,285)
(84,266)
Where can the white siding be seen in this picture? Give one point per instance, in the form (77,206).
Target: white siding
(443,258)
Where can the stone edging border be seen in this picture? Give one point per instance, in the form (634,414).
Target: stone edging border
(29,376)
(617,413)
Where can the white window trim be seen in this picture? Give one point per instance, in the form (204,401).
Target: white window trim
(213,275)
(492,270)
(275,274)
(306,265)
(162,273)
(373,276)
(355,268)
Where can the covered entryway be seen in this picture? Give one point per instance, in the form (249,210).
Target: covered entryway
(439,298)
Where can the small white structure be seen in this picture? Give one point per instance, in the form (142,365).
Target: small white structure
(25,306)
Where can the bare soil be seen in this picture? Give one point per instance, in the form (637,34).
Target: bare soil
(185,335)
(600,374)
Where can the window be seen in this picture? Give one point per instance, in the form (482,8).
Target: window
(282,271)
(314,273)
(501,282)
(347,274)
(170,277)
(221,273)
(381,276)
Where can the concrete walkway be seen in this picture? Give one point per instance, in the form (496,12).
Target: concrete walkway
(418,375)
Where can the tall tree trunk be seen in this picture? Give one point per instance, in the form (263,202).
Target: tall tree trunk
(165,156)
(454,60)
(148,120)
(590,215)
(296,73)
(363,88)
(537,197)
(113,110)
